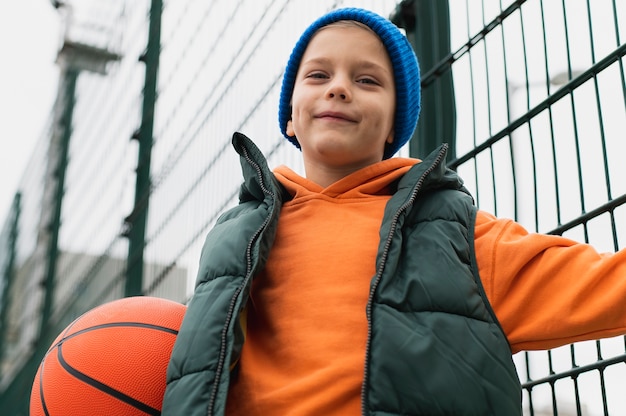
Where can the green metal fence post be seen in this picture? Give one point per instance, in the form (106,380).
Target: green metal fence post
(58,171)
(136,222)
(427,25)
(9,270)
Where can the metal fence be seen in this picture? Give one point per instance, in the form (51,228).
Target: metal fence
(540,116)
(136,164)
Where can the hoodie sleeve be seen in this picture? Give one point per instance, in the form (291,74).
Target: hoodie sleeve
(547,290)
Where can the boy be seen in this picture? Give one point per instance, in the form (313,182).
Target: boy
(373,285)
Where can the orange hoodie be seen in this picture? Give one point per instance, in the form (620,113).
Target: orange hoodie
(306,324)
(306,318)
(548,290)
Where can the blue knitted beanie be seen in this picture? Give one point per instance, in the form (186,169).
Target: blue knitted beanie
(403,60)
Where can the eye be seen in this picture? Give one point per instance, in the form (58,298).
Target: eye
(317,75)
(368,81)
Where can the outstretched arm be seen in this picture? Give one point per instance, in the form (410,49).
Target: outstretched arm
(546,290)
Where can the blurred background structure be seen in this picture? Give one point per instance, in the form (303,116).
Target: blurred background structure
(135,163)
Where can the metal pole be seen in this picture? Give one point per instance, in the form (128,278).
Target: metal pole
(427,25)
(136,222)
(8,274)
(58,171)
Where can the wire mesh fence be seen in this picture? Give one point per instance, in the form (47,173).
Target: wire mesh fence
(538,110)
(540,100)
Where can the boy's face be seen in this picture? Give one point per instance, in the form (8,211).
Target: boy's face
(343,101)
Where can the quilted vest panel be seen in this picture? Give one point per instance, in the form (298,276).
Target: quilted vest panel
(435,345)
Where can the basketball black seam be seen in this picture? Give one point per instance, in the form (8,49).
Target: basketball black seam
(104,388)
(41,396)
(116,324)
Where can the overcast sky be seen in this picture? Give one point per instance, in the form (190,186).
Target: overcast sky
(29,38)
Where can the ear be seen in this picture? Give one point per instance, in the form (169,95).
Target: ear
(289,130)
(390,137)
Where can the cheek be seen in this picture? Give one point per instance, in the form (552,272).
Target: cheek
(296,103)
(391,116)
(385,119)
(299,111)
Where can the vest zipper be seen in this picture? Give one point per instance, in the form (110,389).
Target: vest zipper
(231,307)
(379,272)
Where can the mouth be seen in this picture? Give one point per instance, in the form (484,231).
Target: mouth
(335,116)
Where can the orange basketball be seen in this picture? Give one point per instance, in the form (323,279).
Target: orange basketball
(110,361)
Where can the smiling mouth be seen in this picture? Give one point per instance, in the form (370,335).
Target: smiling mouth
(333,116)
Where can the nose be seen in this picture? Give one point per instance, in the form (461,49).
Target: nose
(339,88)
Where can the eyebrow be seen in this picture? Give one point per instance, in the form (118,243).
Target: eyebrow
(364,63)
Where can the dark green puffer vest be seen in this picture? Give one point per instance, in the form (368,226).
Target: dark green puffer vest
(434,347)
